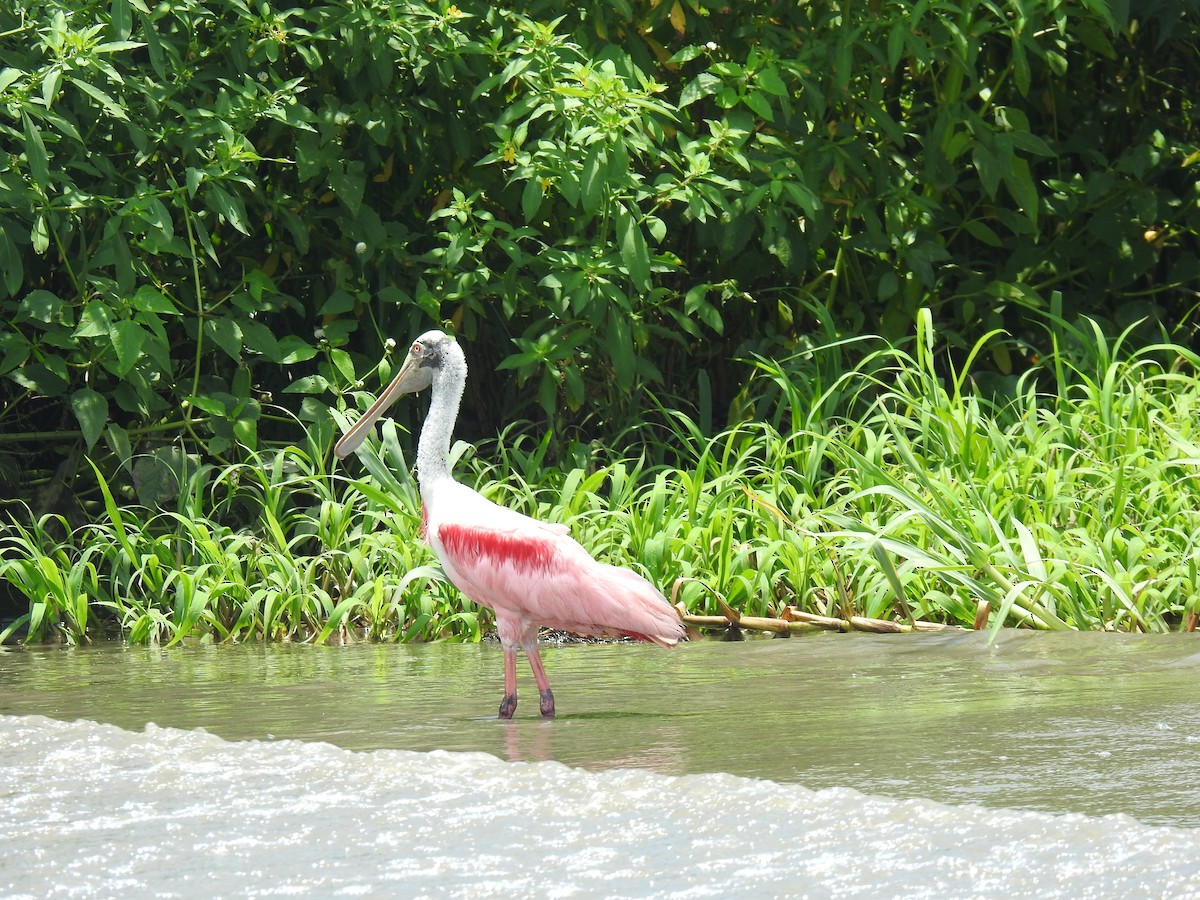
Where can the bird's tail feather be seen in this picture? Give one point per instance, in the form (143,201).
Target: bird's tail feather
(646,614)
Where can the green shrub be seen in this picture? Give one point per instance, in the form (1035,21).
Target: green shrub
(214,214)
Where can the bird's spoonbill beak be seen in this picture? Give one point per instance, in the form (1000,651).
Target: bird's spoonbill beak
(412,377)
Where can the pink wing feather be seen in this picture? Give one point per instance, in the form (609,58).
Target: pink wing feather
(532,573)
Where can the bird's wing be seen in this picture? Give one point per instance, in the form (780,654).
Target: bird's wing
(535,573)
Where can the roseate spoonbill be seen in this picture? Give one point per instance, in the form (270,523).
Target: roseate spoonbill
(530,573)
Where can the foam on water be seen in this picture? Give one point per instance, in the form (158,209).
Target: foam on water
(94,810)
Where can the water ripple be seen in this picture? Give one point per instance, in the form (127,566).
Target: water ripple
(93,810)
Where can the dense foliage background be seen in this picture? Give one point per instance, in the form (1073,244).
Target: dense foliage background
(216,215)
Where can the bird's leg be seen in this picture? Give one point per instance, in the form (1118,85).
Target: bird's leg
(543,683)
(508,705)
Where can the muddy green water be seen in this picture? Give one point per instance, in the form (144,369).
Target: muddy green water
(836,766)
(1085,723)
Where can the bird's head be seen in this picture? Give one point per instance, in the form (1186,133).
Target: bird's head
(430,354)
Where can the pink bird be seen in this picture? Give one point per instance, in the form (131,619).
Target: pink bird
(530,573)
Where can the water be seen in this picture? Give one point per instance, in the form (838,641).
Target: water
(923,766)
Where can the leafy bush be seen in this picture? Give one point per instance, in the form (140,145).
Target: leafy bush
(213,208)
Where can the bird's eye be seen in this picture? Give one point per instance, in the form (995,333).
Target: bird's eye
(417,349)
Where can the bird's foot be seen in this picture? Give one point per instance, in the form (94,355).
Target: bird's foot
(508,706)
(547,705)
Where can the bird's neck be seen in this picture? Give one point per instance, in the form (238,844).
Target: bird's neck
(433,448)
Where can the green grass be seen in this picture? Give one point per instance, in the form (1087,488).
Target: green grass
(888,489)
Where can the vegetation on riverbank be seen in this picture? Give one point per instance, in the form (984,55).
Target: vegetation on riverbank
(886,491)
(215,213)
(218,217)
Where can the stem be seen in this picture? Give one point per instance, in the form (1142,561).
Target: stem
(187,221)
(32,436)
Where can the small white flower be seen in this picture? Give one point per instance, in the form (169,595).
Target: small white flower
(710,46)
(389,345)
(319,334)
(262,77)
(360,248)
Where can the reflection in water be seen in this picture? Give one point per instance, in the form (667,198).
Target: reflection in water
(527,744)
(1087,723)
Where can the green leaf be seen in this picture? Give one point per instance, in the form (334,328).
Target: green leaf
(226,334)
(1020,64)
(158,475)
(620,349)
(128,337)
(703,85)
(120,19)
(50,86)
(1030,143)
(897,42)
(687,54)
(48,378)
(203,237)
(214,406)
(548,392)
(259,338)
(575,389)
(531,198)
(294,349)
(8,76)
(117,46)
(246,432)
(338,302)
(117,439)
(229,207)
(768,79)
(988,168)
(309,384)
(519,360)
(153,45)
(96,321)
(843,60)
(193,177)
(107,102)
(15,349)
(39,305)
(389,293)
(981,231)
(892,575)
(344,364)
(157,347)
(39,235)
(349,185)
(591,183)
(803,197)
(12,268)
(759,105)
(1019,181)
(91,409)
(634,252)
(618,163)
(148,299)
(35,153)
(568,188)
(1093,35)
(695,303)
(241,383)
